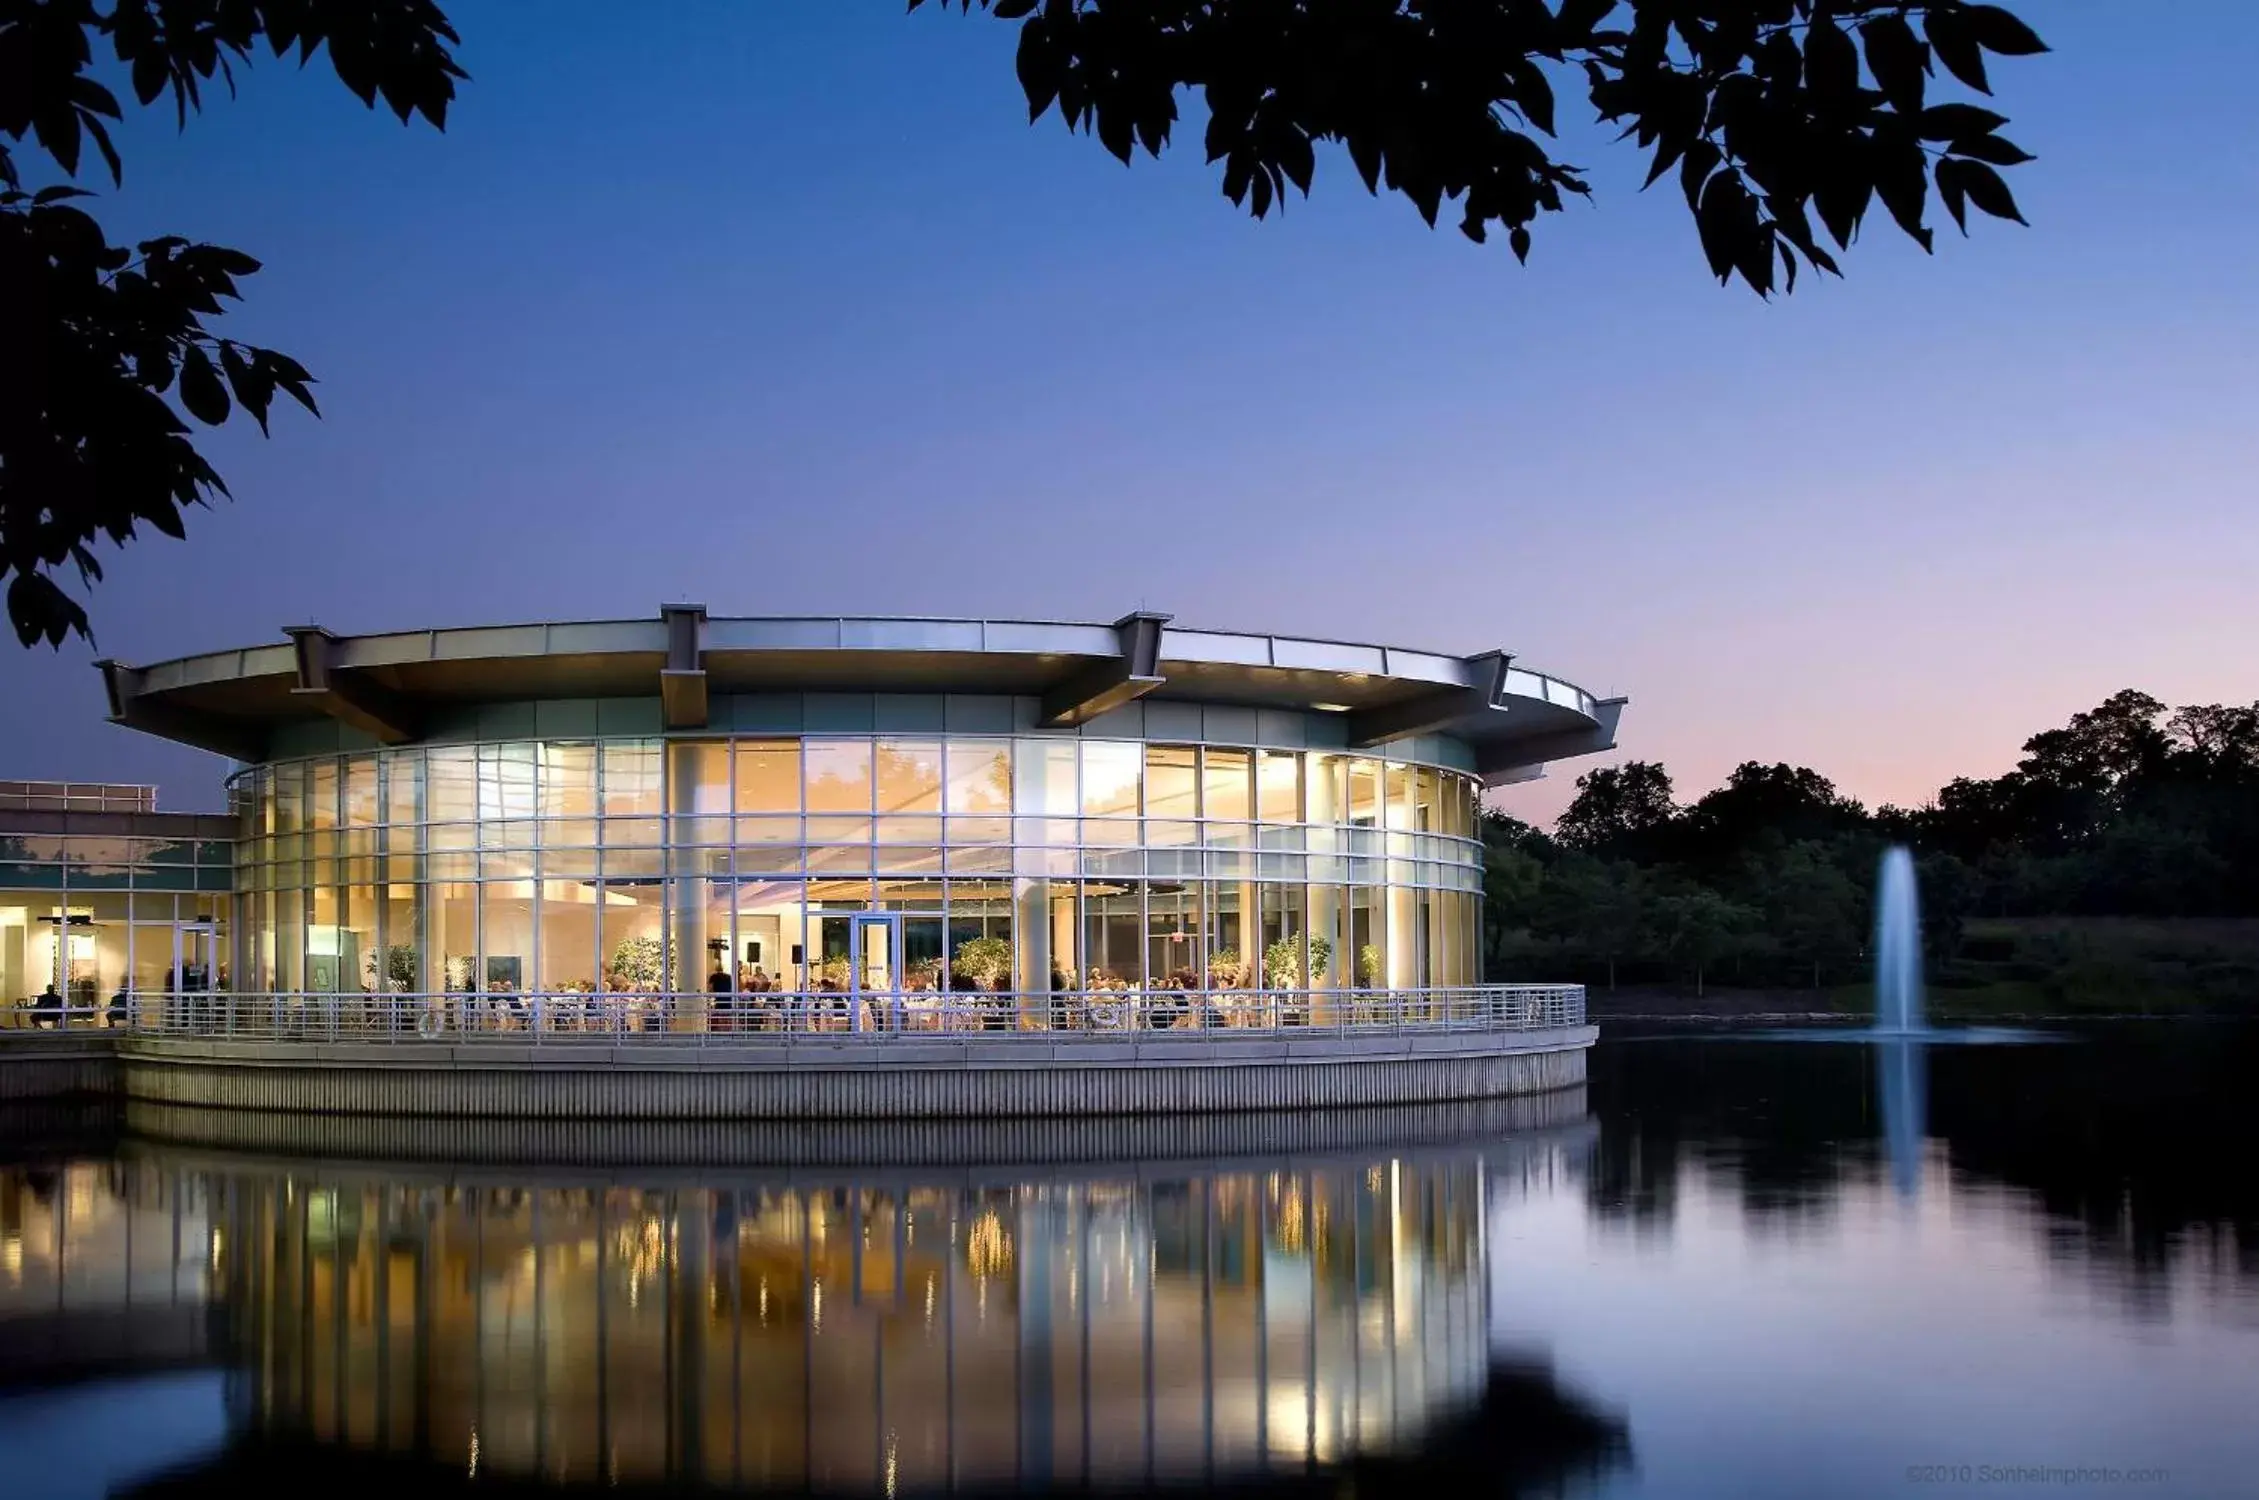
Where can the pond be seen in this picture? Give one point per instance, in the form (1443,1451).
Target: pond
(1729,1266)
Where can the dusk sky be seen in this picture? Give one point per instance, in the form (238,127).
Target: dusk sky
(785,308)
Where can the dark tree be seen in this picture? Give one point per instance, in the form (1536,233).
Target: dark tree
(1772,112)
(2127,810)
(1769,805)
(94,337)
(1620,811)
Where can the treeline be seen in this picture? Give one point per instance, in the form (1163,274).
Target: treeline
(2130,810)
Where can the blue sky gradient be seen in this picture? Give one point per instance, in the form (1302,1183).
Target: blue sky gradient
(786,308)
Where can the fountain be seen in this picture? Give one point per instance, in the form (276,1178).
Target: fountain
(1899,1018)
(1898,946)
(1901,1036)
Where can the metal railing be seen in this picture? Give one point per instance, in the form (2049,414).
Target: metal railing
(695,1019)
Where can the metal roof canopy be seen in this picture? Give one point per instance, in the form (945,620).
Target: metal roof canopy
(385,685)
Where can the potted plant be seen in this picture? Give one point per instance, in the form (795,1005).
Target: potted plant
(1282,963)
(639,963)
(983,961)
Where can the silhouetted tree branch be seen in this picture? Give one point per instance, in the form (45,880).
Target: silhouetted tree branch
(95,337)
(1772,111)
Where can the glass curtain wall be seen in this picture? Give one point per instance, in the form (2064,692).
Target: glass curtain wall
(717,867)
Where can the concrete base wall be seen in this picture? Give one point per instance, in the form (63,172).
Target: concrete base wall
(57,1065)
(879,1151)
(830,1081)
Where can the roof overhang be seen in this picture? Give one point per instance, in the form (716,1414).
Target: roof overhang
(390,686)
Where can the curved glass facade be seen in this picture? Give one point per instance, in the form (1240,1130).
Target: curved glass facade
(885,863)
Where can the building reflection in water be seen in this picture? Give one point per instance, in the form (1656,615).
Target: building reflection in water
(866,1335)
(104,1269)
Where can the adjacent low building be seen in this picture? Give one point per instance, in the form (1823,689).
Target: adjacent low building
(101,895)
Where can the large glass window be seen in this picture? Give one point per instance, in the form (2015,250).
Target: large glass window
(1110,775)
(321,794)
(1045,777)
(568,934)
(568,783)
(839,776)
(633,787)
(453,927)
(1364,794)
(1427,795)
(642,865)
(362,809)
(1224,785)
(909,776)
(451,796)
(1324,777)
(507,908)
(1172,935)
(1113,932)
(1330,953)
(361,968)
(1285,954)
(403,776)
(1398,782)
(768,776)
(980,777)
(506,783)
(403,971)
(1278,786)
(1172,795)
(1368,935)
(925,941)
(631,936)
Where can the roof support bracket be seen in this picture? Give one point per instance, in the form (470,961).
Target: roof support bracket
(122,684)
(1110,682)
(352,698)
(1433,711)
(682,681)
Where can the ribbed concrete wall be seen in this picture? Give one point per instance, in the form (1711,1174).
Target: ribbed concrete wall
(876,1147)
(865,1083)
(57,1066)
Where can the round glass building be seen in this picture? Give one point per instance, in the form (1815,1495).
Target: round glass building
(704,824)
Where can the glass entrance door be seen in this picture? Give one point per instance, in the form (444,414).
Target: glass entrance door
(875,960)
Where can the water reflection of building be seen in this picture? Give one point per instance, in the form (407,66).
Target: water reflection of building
(859,1335)
(103,1269)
